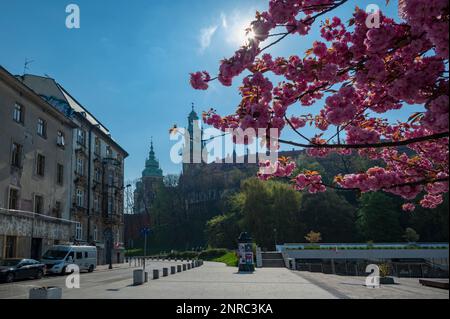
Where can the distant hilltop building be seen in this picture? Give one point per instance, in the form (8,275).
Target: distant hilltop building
(201,188)
(152,177)
(144,196)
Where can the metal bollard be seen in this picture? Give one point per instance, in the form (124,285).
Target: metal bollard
(165,272)
(178,268)
(173,270)
(189,266)
(184,267)
(138,277)
(155,274)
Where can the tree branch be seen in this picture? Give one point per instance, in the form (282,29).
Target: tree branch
(369,145)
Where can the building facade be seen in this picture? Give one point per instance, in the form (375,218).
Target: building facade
(97,178)
(85,190)
(35,169)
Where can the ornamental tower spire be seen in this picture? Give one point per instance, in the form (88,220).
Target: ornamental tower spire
(152,168)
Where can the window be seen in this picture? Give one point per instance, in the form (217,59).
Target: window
(16,156)
(97,174)
(60,140)
(108,151)
(80,166)
(57,209)
(13,199)
(38,204)
(59,174)
(79,255)
(96,203)
(80,198)
(95,233)
(98,146)
(40,165)
(110,178)
(42,128)
(10,247)
(18,113)
(81,137)
(78,231)
(110,206)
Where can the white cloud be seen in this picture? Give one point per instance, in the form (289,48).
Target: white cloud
(223,17)
(206,35)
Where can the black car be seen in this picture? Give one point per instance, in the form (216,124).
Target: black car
(14,269)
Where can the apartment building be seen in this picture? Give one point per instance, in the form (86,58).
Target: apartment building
(97,177)
(61,172)
(35,170)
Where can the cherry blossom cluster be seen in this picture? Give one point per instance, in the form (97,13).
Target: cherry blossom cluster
(361,73)
(280,168)
(312,182)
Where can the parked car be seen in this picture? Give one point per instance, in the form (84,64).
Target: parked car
(14,269)
(58,257)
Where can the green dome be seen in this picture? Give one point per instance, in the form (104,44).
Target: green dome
(152,165)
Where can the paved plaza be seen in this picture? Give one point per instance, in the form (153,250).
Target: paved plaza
(217,281)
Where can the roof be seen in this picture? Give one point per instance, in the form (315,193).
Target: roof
(56,95)
(18,84)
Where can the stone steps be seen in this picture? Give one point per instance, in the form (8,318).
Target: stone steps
(273,260)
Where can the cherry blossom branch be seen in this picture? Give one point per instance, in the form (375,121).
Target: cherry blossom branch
(370,145)
(417,183)
(309,20)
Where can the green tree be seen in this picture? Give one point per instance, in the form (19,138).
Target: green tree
(379,218)
(331,214)
(411,236)
(431,224)
(271,212)
(222,231)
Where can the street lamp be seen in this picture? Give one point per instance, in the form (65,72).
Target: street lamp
(109,240)
(145,231)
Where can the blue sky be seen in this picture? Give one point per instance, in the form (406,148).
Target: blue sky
(129,63)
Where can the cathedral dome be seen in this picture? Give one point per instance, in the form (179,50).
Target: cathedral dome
(152,165)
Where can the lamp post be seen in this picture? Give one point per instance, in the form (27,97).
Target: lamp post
(109,246)
(145,231)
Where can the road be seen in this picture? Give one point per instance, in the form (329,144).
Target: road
(211,281)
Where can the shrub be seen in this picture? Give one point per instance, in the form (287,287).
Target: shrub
(212,253)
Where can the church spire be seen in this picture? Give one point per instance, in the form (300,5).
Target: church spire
(152,168)
(152,151)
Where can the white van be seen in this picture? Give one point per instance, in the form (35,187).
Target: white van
(59,257)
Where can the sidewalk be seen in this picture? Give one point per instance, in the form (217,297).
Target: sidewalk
(115,266)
